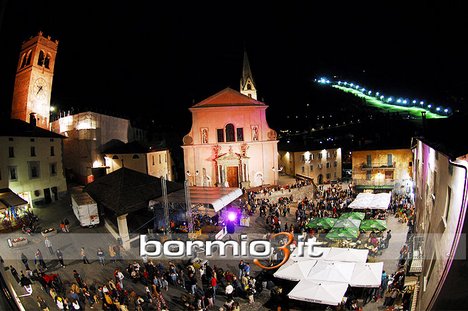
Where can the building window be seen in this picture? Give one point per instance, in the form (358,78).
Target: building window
(369,160)
(447,205)
(52,151)
(328,155)
(319,166)
(388,174)
(11,152)
(320,155)
(328,175)
(152,158)
(115,157)
(32,139)
(159,156)
(165,158)
(230,133)
(135,156)
(33,151)
(240,134)
(368,175)
(450,169)
(13,173)
(311,156)
(303,169)
(220,133)
(34,171)
(51,140)
(334,174)
(311,168)
(10,138)
(53,169)
(389,160)
(335,164)
(328,164)
(429,271)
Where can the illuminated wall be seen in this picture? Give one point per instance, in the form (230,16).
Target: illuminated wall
(439,194)
(154,163)
(321,165)
(48,169)
(87,133)
(246,155)
(384,167)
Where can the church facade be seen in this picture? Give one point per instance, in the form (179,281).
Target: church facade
(230,143)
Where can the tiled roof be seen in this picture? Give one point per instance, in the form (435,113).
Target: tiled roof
(228,97)
(18,128)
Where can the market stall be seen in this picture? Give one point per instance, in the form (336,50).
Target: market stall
(329,293)
(371,201)
(367,275)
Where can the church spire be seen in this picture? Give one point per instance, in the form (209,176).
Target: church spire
(247,85)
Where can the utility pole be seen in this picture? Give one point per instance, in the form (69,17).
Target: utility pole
(165,205)
(188,207)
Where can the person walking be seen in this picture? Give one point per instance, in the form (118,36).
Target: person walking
(48,244)
(83,256)
(78,278)
(112,253)
(24,259)
(39,259)
(59,254)
(100,255)
(241,268)
(14,273)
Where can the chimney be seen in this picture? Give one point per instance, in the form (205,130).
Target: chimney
(32,118)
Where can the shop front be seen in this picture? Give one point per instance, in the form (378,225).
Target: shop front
(13,210)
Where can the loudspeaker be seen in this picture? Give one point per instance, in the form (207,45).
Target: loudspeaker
(231,227)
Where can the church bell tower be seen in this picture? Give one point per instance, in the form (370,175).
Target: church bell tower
(33,83)
(247,85)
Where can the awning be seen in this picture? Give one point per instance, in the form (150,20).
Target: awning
(215,197)
(367,275)
(10,199)
(329,293)
(331,271)
(295,271)
(371,201)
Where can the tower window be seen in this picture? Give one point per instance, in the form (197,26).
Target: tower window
(41,59)
(230,133)
(249,86)
(47,61)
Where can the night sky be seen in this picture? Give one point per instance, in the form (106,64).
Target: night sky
(154,59)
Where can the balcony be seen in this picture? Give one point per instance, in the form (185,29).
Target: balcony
(377,166)
(374,184)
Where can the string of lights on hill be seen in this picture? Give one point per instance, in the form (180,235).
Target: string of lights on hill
(389,103)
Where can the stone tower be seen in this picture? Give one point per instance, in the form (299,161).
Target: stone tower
(247,85)
(33,83)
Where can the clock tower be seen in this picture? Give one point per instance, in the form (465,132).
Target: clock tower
(33,83)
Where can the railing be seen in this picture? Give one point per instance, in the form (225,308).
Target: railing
(373,182)
(377,165)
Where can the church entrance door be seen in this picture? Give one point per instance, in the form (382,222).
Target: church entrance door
(232,177)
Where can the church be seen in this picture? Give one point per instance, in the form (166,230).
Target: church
(230,143)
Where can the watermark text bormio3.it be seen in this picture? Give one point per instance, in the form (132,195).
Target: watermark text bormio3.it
(256,249)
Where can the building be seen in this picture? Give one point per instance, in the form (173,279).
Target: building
(230,142)
(320,165)
(440,244)
(33,82)
(152,161)
(381,168)
(87,135)
(31,162)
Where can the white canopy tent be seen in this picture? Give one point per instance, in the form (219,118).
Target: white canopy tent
(371,201)
(367,274)
(347,254)
(317,250)
(329,293)
(331,271)
(295,271)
